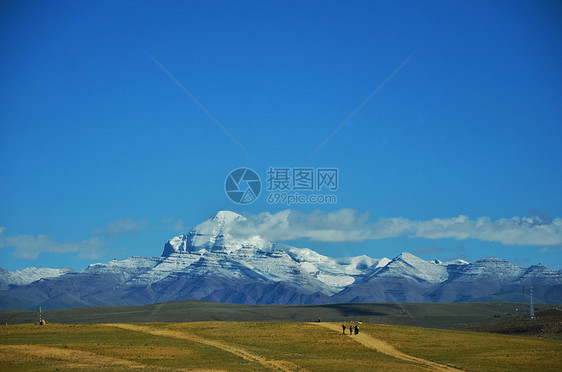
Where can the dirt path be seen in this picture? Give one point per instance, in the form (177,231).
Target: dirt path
(276,365)
(383,347)
(76,358)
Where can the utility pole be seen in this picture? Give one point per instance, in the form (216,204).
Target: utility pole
(532,310)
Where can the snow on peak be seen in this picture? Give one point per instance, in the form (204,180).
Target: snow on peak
(226,217)
(539,270)
(540,275)
(413,267)
(497,268)
(220,235)
(335,272)
(409,258)
(214,235)
(220,224)
(31,274)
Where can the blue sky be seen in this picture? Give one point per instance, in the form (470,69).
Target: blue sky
(103,155)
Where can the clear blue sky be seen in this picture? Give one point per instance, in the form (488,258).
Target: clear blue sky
(102,154)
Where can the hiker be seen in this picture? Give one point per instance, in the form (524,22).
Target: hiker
(356,329)
(351,330)
(343,327)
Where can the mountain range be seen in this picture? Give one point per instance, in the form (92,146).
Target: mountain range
(210,264)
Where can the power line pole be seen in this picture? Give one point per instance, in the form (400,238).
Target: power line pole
(532,310)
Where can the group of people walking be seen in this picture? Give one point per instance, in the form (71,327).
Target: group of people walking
(352,329)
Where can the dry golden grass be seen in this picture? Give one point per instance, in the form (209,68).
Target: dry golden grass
(253,346)
(149,351)
(474,351)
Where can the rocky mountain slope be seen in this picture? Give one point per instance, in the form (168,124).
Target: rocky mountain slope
(210,264)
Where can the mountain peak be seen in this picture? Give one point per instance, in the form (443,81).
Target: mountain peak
(407,257)
(223,259)
(214,235)
(413,267)
(537,268)
(227,217)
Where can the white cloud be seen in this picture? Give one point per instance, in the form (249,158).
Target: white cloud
(342,225)
(120,227)
(347,225)
(31,246)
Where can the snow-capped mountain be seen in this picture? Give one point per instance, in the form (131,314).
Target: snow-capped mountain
(406,265)
(29,275)
(209,263)
(539,275)
(408,278)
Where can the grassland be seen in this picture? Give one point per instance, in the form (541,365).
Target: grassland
(474,351)
(265,346)
(548,324)
(446,316)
